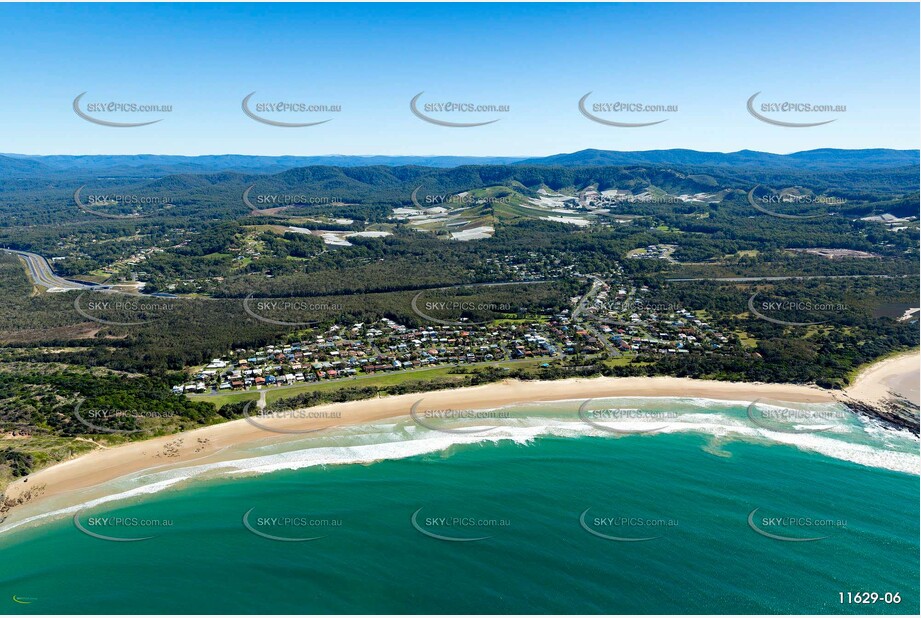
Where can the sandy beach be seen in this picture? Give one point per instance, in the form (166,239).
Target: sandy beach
(892,378)
(206,444)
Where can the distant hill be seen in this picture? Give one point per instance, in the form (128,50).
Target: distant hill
(11,167)
(161,165)
(742,166)
(825,159)
(396,184)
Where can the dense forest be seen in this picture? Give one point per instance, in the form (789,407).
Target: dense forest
(194,240)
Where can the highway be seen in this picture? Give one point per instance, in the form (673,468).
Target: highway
(788,278)
(42,275)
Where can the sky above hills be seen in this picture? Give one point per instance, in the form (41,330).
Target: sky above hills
(539,60)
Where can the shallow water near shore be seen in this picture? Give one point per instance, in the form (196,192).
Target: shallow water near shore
(529,520)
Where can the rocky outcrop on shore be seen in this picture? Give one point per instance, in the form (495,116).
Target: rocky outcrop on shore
(895,412)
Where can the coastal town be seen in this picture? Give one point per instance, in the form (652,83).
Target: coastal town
(611,321)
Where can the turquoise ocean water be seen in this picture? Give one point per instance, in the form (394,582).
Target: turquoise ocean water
(534,520)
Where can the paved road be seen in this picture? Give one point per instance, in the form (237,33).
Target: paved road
(597,285)
(43,276)
(750,279)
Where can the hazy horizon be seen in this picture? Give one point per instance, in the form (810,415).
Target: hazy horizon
(426,154)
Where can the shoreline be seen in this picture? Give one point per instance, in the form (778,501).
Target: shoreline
(206,444)
(873,383)
(203,443)
(889,390)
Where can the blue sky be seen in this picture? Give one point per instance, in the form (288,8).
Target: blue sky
(539,59)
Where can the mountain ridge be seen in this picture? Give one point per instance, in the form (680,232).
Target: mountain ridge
(145,165)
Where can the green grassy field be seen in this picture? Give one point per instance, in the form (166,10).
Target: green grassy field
(624,359)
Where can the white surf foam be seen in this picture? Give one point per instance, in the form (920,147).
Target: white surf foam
(857,441)
(151,488)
